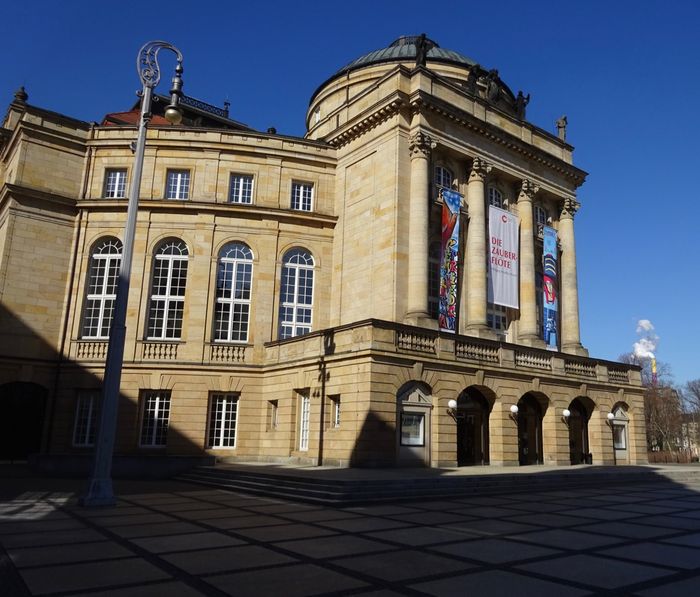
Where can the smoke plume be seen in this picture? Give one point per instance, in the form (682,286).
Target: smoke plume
(644,348)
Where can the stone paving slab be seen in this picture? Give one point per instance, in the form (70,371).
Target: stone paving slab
(169,539)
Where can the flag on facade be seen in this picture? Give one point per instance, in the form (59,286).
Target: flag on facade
(503,258)
(550,291)
(449,262)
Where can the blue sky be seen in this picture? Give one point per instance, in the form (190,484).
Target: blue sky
(625,73)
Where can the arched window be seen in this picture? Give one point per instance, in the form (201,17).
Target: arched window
(234,278)
(443,178)
(495,197)
(296,297)
(168,290)
(434,259)
(105,261)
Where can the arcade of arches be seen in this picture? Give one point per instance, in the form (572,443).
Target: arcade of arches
(478,428)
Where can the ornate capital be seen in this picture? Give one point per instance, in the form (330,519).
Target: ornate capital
(420,144)
(569,208)
(528,190)
(480,168)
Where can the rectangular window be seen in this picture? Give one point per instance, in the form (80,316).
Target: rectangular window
(302,196)
(304,423)
(241,190)
(177,184)
(496,319)
(223,414)
(155,416)
(115,183)
(272,414)
(85,419)
(335,411)
(412,429)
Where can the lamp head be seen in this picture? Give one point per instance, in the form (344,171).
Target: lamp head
(173,114)
(452,404)
(566,413)
(611,417)
(514,409)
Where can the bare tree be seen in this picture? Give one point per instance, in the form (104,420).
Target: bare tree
(663,407)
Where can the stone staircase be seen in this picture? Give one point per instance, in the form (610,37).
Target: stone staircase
(332,488)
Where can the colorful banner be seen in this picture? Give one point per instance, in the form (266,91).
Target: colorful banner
(451,204)
(550,291)
(503,258)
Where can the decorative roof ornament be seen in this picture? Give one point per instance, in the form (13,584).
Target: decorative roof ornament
(561,127)
(21,95)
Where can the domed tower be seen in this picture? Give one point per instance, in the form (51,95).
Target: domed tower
(410,120)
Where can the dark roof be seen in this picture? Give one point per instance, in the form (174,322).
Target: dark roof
(404,49)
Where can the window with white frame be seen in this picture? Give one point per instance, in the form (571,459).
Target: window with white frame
(304,419)
(241,189)
(497,319)
(103,275)
(234,278)
(434,261)
(115,183)
(443,179)
(296,298)
(335,411)
(85,423)
(302,196)
(541,217)
(177,184)
(495,197)
(168,290)
(223,414)
(155,417)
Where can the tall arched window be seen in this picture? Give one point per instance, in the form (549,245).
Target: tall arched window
(495,197)
(168,290)
(105,261)
(296,297)
(234,278)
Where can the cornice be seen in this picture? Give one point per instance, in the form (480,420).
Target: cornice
(424,101)
(250,212)
(30,197)
(370,118)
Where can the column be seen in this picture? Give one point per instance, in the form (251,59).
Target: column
(476,249)
(419,145)
(527,330)
(570,333)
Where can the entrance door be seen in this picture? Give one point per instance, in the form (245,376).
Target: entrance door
(472,430)
(413,427)
(529,431)
(21,419)
(578,433)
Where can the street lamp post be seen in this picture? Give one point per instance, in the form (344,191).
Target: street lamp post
(99,492)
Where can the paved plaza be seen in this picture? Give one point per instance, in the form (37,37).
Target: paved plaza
(171,538)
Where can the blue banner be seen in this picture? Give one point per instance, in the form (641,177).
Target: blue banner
(452,202)
(550,291)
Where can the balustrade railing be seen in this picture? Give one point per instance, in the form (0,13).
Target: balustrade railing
(533,359)
(476,351)
(91,350)
(582,368)
(226,353)
(159,351)
(619,375)
(415,341)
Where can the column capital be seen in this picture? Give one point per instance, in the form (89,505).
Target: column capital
(420,144)
(528,190)
(569,208)
(480,168)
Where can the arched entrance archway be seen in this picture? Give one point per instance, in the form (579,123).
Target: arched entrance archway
(472,428)
(578,432)
(21,419)
(530,414)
